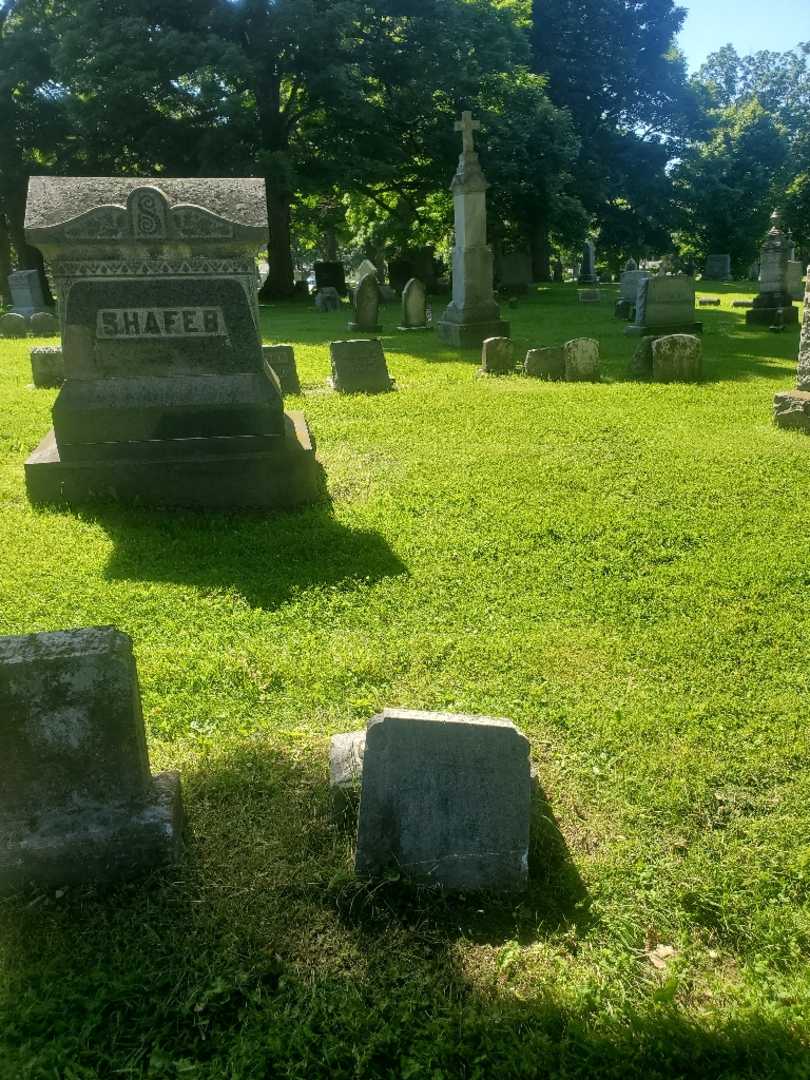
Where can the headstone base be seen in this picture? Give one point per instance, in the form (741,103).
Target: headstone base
(471,335)
(662,331)
(94,845)
(284,476)
(769,316)
(791,410)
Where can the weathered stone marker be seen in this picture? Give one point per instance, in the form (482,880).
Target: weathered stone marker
(774,295)
(327,299)
(545,364)
(665,305)
(677,358)
(43,324)
(445,799)
(77,801)
(581,360)
(367,305)
(281,359)
(497,356)
(25,287)
(359,367)
(13,325)
(792,407)
(166,400)
(473,315)
(47,366)
(414,306)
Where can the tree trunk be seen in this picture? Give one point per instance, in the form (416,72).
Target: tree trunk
(541,251)
(330,245)
(5,260)
(280,281)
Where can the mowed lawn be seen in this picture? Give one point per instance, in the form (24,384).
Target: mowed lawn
(622,569)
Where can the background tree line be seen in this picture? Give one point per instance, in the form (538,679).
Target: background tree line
(346,107)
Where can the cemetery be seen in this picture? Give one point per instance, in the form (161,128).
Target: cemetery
(403,647)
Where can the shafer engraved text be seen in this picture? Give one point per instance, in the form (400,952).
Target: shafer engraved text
(160,322)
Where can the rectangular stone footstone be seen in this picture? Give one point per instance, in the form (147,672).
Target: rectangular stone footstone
(791,410)
(47,366)
(359,367)
(77,801)
(445,799)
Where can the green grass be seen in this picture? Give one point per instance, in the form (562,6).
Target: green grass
(622,569)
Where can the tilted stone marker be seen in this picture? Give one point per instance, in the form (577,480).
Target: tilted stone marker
(367,305)
(792,407)
(497,356)
(25,287)
(445,799)
(77,801)
(166,400)
(718,268)
(327,299)
(47,366)
(43,324)
(665,305)
(677,358)
(773,281)
(515,272)
(587,269)
(545,364)
(281,359)
(581,360)
(414,306)
(359,367)
(13,325)
(473,314)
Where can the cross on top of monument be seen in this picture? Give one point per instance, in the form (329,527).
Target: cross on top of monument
(466,125)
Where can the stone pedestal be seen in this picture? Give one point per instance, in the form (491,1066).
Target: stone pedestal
(473,315)
(167,399)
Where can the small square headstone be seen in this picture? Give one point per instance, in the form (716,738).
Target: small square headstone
(545,363)
(582,360)
(497,356)
(44,324)
(677,358)
(359,367)
(25,287)
(77,801)
(13,325)
(47,366)
(445,800)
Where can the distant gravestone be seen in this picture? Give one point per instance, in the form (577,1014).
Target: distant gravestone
(359,367)
(587,270)
(581,360)
(281,359)
(445,799)
(718,268)
(414,306)
(558,272)
(792,407)
(545,363)
(77,801)
(665,305)
(742,303)
(367,306)
(43,324)
(630,265)
(795,285)
(13,325)
(25,287)
(515,272)
(366,267)
(327,299)
(497,356)
(630,280)
(166,399)
(47,366)
(774,297)
(677,358)
(331,275)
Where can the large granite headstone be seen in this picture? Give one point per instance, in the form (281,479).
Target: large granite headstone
(166,399)
(792,407)
(774,304)
(665,305)
(77,801)
(473,314)
(414,306)
(587,269)
(359,367)
(367,305)
(515,272)
(795,285)
(445,799)
(25,287)
(331,275)
(718,268)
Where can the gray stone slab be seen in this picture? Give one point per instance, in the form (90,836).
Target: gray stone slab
(327,299)
(414,306)
(630,280)
(677,358)
(445,801)
(13,325)
(665,305)
(47,366)
(545,363)
(497,356)
(77,801)
(281,359)
(43,324)
(791,410)
(25,287)
(367,305)
(582,360)
(346,770)
(359,367)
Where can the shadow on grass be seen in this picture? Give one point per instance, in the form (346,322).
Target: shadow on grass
(267,559)
(241,962)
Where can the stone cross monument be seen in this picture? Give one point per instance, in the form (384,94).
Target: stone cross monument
(473,314)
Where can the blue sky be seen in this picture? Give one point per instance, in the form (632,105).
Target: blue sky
(750,25)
